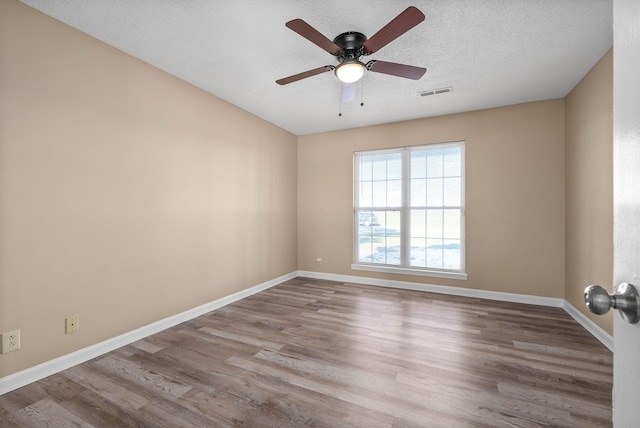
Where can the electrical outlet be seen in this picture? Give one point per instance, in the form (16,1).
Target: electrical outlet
(72,324)
(10,341)
(319,260)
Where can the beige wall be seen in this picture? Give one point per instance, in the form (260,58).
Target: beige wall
(126,195)
(589,186)
(514,195)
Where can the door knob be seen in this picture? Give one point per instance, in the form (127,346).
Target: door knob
(626,300)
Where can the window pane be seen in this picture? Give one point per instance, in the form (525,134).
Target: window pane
(434,163)
(418,256)
(451,254)
(380,241)
(366,168)
(443,239)
(443,254)
(369,218)
(452,192)
(452,162)
(379,194)
(380,180)
(369,236)
(379,167)
(394,166)
(434,224)
(434,254)
(365,194)
(451,224)
(394,193)
(435,198)
(419,192)
(418,164)
(418,224)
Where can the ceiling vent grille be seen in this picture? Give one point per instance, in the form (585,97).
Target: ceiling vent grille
(435,91)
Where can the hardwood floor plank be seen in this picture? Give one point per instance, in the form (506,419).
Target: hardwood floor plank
(319,353)
(200,360)
(591,409)
(147,346)
(49,413)
(156,383)
(173,414)
(604,360)
(110,387)
(253,341)
(100,411)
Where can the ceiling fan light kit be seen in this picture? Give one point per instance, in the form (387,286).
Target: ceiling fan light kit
(350,71)
(350,46)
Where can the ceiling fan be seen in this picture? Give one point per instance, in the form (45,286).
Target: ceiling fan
(350,46)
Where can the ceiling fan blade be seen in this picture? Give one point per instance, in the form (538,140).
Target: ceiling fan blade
(394,69)
(313,35)
(399,25)
(304,75)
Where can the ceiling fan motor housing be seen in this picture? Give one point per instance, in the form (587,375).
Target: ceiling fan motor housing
(351,45)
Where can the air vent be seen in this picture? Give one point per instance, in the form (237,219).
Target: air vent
(435,91)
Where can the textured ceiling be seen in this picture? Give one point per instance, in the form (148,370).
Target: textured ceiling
(492,52)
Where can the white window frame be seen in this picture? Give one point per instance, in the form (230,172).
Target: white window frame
(405,210)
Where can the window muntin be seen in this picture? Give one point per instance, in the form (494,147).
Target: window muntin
(409,208)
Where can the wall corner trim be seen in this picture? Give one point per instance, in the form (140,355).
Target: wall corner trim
(48,368)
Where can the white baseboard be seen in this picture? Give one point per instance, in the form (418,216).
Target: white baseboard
(605,338)
(441,289)
(33,374)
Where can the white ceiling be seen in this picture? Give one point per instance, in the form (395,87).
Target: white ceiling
(492,52)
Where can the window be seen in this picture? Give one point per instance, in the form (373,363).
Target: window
(409,210)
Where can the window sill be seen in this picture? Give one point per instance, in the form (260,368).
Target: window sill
(410,271)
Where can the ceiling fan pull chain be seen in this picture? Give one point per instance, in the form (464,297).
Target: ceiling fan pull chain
(340,102)
(361,92)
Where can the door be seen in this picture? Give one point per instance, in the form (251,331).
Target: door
(626,220)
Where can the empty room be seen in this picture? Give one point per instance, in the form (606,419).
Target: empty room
(329,214)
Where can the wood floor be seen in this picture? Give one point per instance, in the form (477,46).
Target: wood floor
(311,353)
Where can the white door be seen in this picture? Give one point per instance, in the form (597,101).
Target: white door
(626,161)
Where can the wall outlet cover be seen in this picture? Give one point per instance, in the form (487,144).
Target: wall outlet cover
(10,341)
